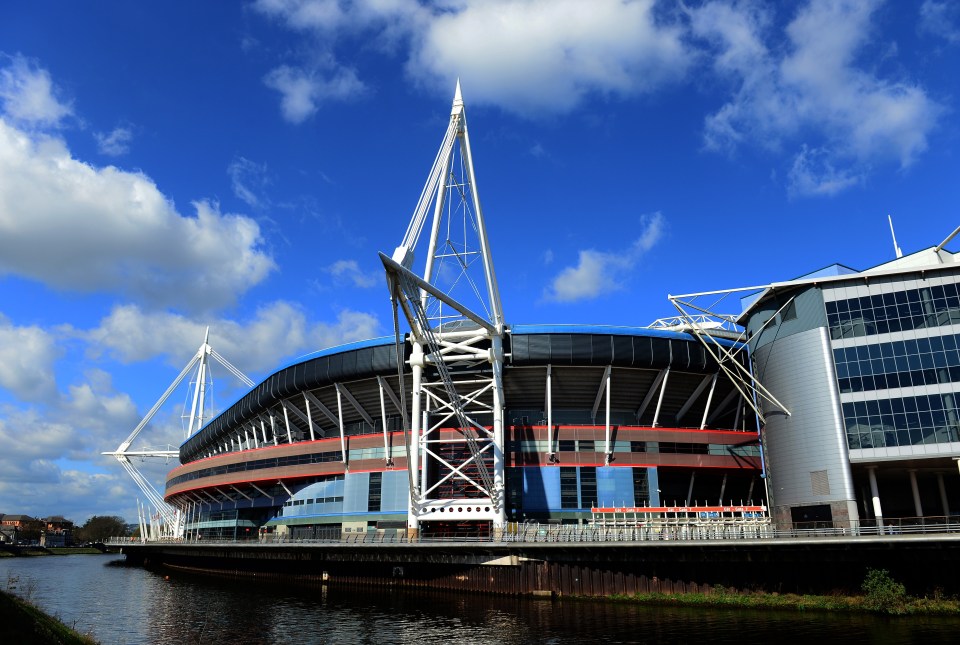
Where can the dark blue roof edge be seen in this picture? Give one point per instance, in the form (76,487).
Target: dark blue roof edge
(336,349)
(610,330)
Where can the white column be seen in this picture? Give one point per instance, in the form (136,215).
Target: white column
(917,507)
(416,366)
(875,494)
(943,495)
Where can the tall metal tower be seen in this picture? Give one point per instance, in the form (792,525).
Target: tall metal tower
(455,452)
(170,520)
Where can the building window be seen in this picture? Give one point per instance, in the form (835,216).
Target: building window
(588,486)
(641,487)
(905,363)
(375,492)
(924,308)
(568,487)
(907,421)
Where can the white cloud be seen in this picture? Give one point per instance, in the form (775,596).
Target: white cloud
(248,180)
(600,272)
(105,229)
(114,143)
(529,56)
(941,19)
(27,94)
(276,330)
(808,88)
(349,272)
(303,90)
(521,55)
(27,356)
(813,174)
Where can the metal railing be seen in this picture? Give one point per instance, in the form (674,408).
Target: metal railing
(573,534)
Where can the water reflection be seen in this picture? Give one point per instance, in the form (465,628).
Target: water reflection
(123,605)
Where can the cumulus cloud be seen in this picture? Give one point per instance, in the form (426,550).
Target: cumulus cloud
(28,95)
(27,356)
(302,91)
(520,55)
(349,272)
(276,330)
(105,229)
(548,54)
(115,143)
(600,272)
(941,19)
(808,87)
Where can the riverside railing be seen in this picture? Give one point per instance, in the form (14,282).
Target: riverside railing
(574,534)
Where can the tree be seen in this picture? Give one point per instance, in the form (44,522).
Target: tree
(100,528)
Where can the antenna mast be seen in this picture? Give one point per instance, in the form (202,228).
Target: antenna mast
(896,249)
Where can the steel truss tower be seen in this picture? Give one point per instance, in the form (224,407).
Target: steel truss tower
(456,433)
(167,521)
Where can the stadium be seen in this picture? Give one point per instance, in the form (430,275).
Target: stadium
(465,424)
(597,417)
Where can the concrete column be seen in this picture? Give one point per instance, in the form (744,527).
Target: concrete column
(917,507)
(875,495)
(943,495)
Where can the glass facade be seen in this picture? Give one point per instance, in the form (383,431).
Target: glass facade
(906,421)
(882,369)
(923,308)
(904,363)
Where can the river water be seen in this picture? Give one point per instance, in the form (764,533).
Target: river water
(127,605)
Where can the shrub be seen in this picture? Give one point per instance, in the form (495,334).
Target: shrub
(883,594)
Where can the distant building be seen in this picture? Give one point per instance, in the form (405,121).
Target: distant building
(21,527)
(58,531)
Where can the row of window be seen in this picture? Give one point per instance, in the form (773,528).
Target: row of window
(578,487)
(905,363)
(258,464)
(663,447)
(924,308)
(311,501)
(906,421)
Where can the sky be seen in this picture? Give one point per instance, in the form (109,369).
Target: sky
(168,167)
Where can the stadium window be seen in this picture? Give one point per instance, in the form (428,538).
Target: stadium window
(568,487)
(588,486)
(375,492)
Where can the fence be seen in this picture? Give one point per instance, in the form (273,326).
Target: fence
(653,531)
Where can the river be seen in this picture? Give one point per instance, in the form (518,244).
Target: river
(121,605)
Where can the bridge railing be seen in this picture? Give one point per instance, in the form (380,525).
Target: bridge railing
(571,534)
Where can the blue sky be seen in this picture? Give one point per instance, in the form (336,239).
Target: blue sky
(168,166)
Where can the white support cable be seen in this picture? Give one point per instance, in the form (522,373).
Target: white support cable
(744,377)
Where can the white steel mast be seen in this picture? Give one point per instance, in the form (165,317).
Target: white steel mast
(172,519)
(457,354)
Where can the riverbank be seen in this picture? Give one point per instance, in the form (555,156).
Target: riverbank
(31,552)
(884,602)
(28,625)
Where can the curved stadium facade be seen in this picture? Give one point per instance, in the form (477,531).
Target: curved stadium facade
(593,417)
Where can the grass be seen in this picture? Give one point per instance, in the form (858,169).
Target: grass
(74,550)
(28,625)
(884,602)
